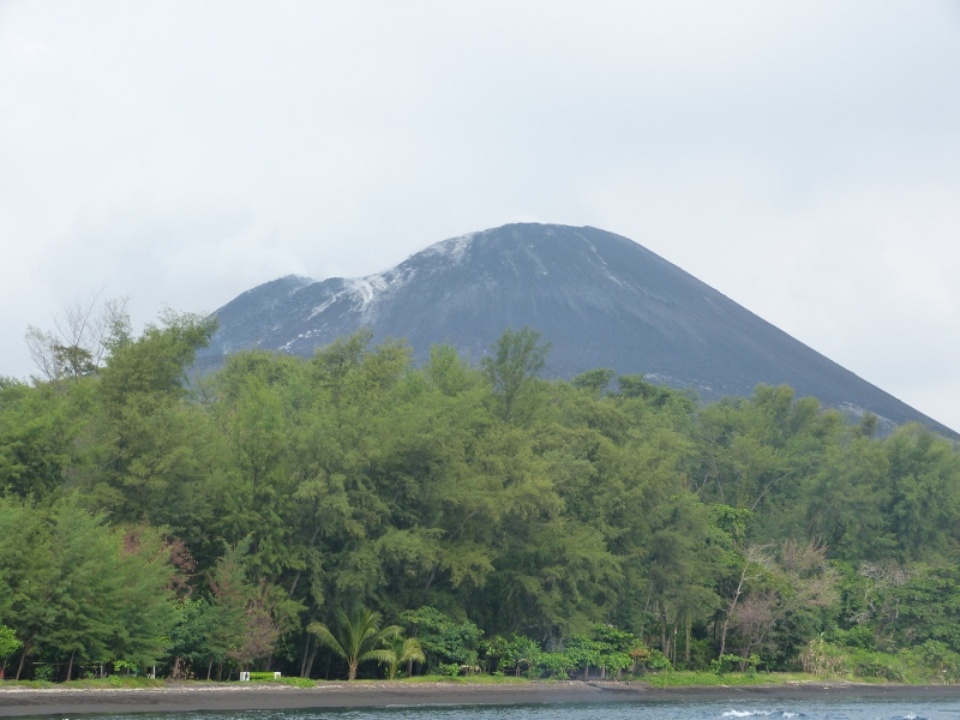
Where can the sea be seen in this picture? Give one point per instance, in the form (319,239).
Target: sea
(660,710)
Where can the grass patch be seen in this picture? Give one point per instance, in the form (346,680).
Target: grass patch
(108,683)
(466,679)
(293,681)
(681,678)
(115,681)
(28,684)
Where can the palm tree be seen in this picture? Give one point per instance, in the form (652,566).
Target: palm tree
(358,638)
(403,650)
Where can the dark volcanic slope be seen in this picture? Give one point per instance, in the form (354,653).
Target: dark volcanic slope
(600,299)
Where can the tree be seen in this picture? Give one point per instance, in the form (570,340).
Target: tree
(8,644)
(155,442)
(753,561)
(403,650)
(517,652)
(154,366)
(922,507)
(518,359)
(357,638)
(783,609)
(38,429)
(260,633)
(594,381)
(444,640)
(81,590)
(82,339)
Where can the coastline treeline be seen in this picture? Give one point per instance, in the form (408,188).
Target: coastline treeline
(509,523)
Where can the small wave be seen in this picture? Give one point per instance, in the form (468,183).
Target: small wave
(747,713)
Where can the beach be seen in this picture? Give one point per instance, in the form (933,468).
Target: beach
(185,697)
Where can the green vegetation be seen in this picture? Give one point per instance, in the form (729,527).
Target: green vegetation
(498,524)
(359,638)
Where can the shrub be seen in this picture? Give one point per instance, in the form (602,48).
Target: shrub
(734,663)
(448,669)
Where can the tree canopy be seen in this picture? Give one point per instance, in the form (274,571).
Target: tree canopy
(495,518)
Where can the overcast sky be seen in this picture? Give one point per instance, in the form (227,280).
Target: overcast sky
(803,158)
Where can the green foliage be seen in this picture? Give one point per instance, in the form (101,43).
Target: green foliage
(930,663)
(727,663)
(357,638)
(512,370)
(650,660)
(300,682)
(443,640)
(402,650)
(585,529)
(9,643)
(594,381)
(105,593)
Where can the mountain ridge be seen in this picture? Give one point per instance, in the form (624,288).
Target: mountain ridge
(600,299)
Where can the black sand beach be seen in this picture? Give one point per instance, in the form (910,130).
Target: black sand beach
(15,702)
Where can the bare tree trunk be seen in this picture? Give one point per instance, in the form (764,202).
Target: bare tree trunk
(70,665)
(733,606)
(663,635)
(313,657)
(433,574)
(304,670)
(23,657)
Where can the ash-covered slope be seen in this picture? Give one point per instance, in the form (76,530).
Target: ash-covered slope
(599,298)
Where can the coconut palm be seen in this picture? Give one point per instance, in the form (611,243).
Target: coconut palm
(402,650)
(358,638)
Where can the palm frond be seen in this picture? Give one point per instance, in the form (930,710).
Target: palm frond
(325,637)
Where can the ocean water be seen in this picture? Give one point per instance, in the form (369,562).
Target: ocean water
(760,710)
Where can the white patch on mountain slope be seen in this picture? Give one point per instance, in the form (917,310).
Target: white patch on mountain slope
(369,291)
(366,292)
(324,305)
(366,289)
(287,345)
(531,253)
(608,273)
(453,249)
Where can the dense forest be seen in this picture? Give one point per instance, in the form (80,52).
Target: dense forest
(150,521)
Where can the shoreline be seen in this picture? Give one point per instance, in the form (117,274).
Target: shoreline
(185,697)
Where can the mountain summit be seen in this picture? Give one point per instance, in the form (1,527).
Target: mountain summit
(600,299)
